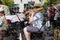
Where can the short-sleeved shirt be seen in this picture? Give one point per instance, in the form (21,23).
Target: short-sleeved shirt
(38,20)
(3,23)
(21,16)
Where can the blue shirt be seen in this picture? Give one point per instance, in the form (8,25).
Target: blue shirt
(38,20)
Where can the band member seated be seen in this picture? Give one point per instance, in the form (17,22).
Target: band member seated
(35,20)
(17,20)
(3,23)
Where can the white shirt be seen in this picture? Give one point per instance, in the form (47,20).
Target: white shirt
(21,16)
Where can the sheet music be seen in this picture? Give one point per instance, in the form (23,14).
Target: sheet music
(14,18)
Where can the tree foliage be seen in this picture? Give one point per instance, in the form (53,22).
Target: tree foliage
(9,3)
(51,1)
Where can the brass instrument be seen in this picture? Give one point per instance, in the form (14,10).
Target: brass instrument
(57,34)
(37,10)
(40,9)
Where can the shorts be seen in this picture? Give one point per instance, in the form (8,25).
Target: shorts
(35,29)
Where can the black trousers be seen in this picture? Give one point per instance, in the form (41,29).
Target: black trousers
(52,21)
(55,22)
(17,25)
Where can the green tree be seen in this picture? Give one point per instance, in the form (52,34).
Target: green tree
(51,1)
(9,3)
(46,4)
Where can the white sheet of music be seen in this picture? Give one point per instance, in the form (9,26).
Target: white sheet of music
(14,18)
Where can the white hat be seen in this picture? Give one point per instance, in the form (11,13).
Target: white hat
(1,9)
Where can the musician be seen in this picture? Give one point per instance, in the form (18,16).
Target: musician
(52,13)
(35,20)
(16,19)
(21,18)
(3,23)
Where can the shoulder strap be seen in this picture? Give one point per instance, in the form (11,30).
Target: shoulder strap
(18,17)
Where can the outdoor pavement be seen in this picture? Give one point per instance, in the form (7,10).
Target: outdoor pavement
(34,37)
(12,38)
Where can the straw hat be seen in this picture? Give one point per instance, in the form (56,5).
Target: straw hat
(37,5)
(39,8)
